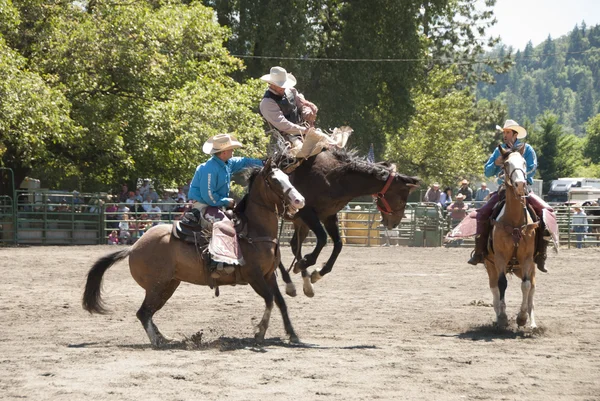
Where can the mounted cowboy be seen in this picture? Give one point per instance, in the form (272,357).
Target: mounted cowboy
(209,190)
(289,113)
(512,134)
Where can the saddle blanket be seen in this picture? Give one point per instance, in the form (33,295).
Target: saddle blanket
(224,246)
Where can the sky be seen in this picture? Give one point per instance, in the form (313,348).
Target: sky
(520,21)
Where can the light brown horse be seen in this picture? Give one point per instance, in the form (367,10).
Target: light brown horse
(513,242)
(159,263)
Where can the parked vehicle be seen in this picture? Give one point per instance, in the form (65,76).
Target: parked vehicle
(559,189)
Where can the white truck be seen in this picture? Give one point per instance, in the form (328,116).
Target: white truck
(573,189)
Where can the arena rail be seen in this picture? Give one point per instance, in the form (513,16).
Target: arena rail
(60,218)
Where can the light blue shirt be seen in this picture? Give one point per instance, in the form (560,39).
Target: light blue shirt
(212,180)
(491,170)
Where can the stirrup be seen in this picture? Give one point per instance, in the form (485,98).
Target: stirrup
(476,258)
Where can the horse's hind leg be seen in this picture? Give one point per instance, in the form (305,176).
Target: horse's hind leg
(310,218)
(154,300)
(332,227)
(280,302)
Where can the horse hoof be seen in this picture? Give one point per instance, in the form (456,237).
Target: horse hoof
(315,276)
(309,292)
(294,339)
(521,320)
(290,289)
(502,322)
(298,266)
(259,338)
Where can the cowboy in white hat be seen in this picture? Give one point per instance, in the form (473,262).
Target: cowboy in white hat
(283,107)
(291,114)
(512,133)
(211,183)
(210,187)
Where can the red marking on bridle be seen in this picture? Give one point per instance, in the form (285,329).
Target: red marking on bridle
(381,195)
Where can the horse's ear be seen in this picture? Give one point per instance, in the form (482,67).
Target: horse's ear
(269,164)
(502,151)
(412,187)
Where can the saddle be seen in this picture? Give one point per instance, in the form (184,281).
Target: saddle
(215,242)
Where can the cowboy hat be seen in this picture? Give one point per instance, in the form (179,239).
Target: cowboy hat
(513,125)
(219,143)
(460,197)
(463,182)
(280,77)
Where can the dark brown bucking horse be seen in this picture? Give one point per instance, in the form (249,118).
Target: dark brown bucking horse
(328,182)
(159,263)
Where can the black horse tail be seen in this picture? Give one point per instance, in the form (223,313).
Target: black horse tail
(92,296)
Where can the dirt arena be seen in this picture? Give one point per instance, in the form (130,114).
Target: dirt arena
(388,323)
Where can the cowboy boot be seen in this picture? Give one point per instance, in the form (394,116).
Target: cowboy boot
(542,245)
(480,244)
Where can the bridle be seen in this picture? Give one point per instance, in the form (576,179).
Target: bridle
(283,197)
(386,209)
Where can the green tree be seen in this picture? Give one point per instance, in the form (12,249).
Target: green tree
(559,154)
(592,140)
(439,143)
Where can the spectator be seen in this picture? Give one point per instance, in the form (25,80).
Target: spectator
(130,199)
(186,188)
(138,195)
(153,194)
(113,238)
(181,195)
(482,193)
(458,209)
(433,194)
(579,225)
(155,212)
(465,190)
(145,188)
(124,193)
(123,209)
(446,197)
(165,203)
(124,234)
(147,204)
(111,214)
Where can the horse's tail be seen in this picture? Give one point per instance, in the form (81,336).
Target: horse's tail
(92,296)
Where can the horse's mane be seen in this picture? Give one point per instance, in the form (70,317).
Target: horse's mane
(350,162)
(250,175)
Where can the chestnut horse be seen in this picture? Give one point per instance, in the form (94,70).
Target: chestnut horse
(328,182)
(159,263)
(514,241)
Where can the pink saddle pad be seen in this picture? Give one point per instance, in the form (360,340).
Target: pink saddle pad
(224,246)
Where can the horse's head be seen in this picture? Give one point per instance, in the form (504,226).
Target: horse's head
(391,200)
(515,169)
(280,191)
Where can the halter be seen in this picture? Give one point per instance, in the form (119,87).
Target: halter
(386,209)
(282,197)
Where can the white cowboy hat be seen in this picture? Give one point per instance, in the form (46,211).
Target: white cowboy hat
(460,197)
(513,125)
(219,143)
(280,77)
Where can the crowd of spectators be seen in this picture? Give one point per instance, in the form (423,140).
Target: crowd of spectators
(137,210)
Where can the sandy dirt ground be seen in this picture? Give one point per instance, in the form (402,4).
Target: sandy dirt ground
(387,324)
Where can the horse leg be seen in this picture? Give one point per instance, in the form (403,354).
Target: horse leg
(300,235)
(290,289)
(310,218)
(262,288)
(527,289)
(502,318)
(332,227)
(280,302)
(155,299)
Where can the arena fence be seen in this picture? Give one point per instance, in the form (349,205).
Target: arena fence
(57,218)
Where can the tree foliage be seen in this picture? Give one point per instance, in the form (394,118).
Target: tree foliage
(439,144)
